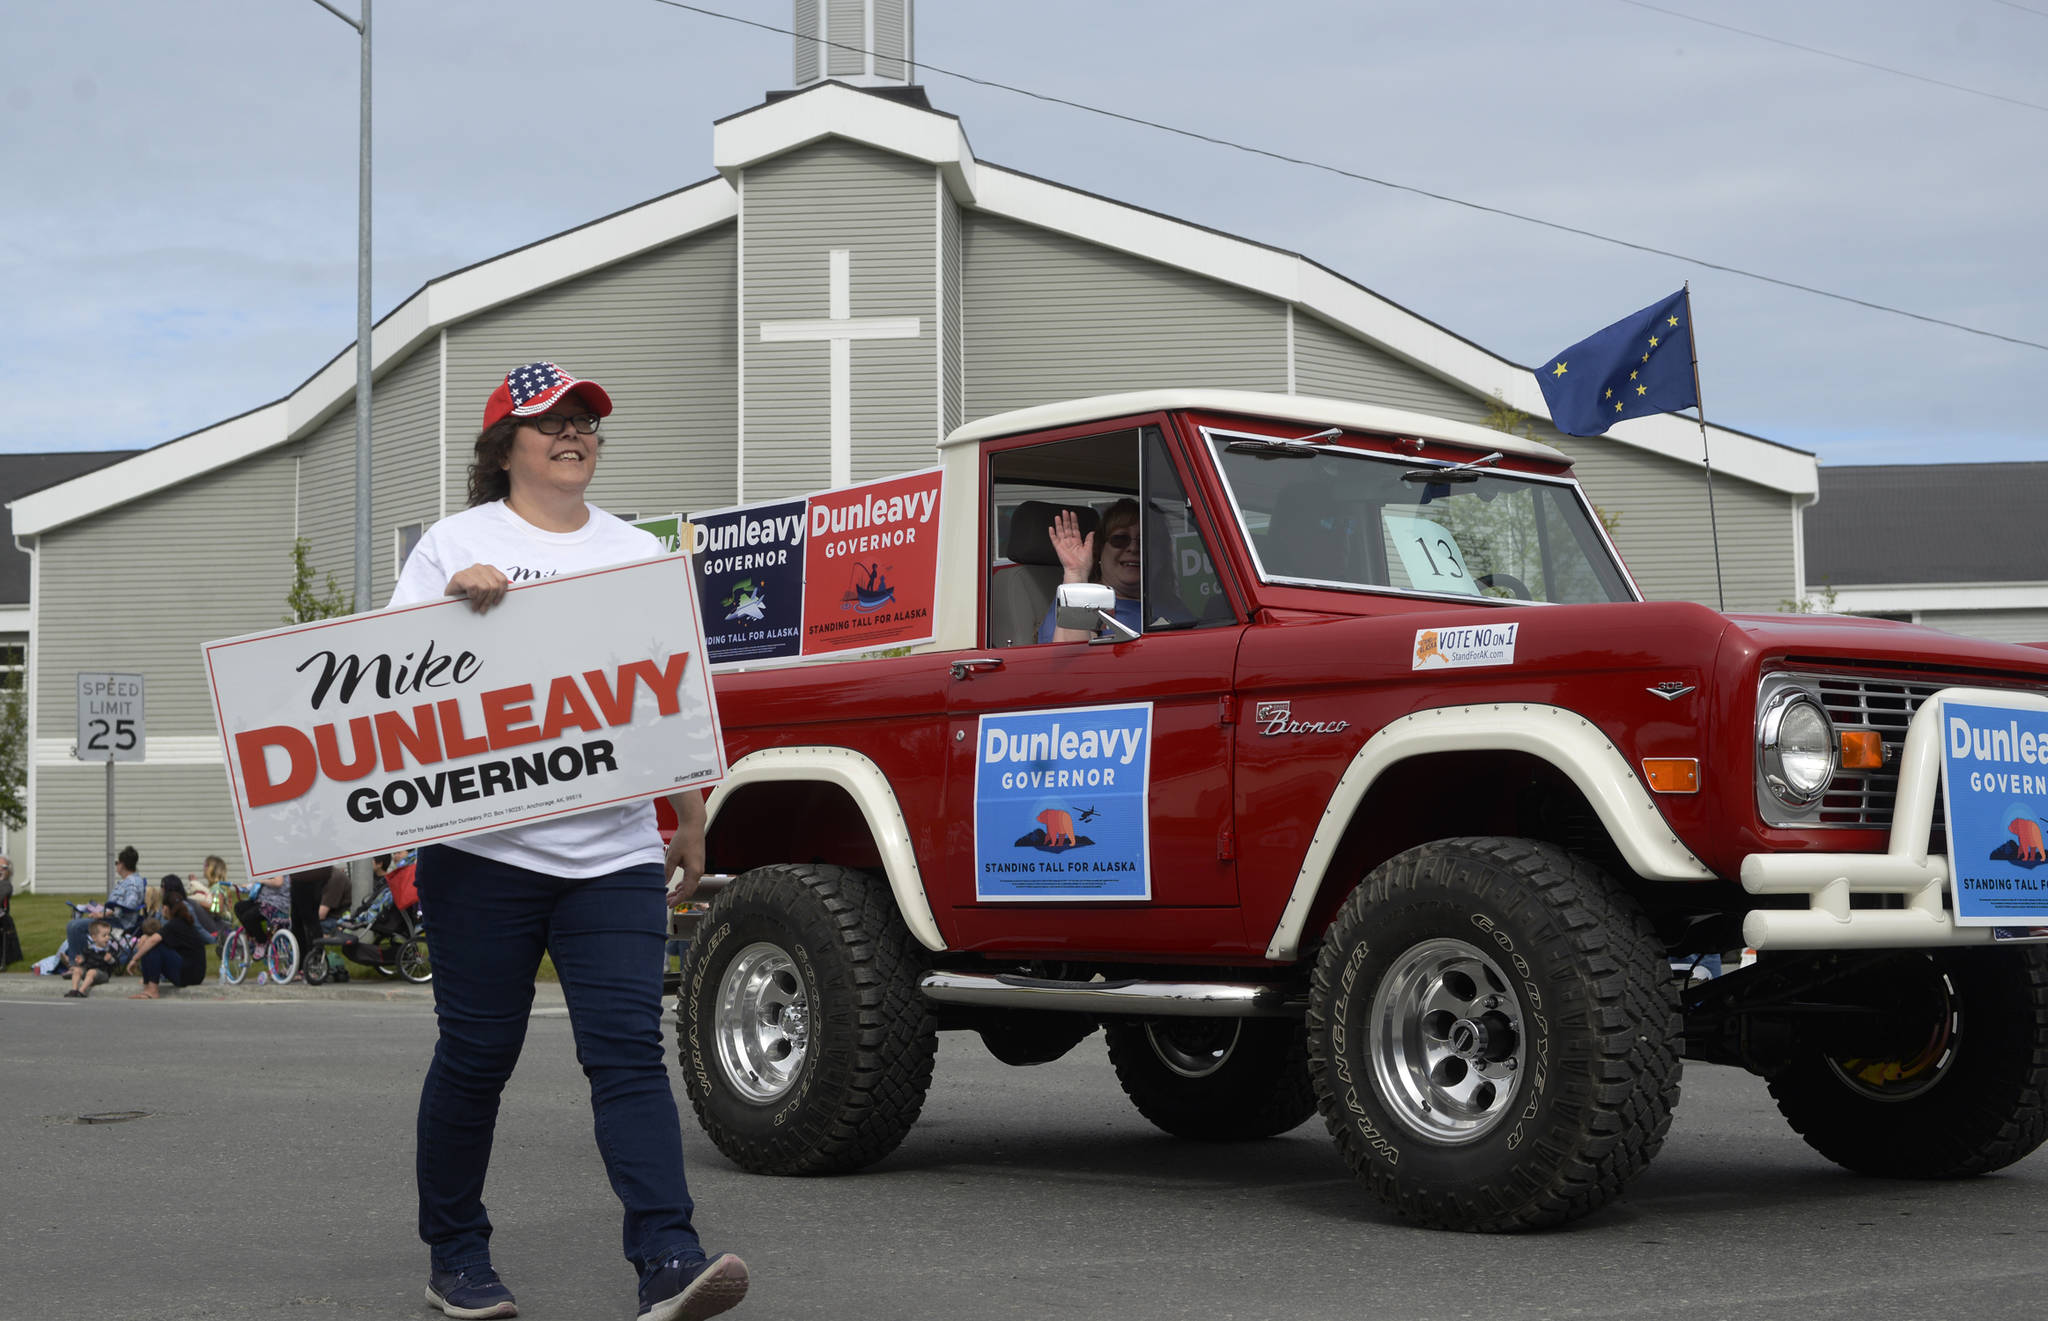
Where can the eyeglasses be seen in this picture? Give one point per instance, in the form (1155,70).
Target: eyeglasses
(1123,539)
(552,424)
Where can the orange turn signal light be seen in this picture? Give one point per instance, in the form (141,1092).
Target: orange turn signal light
(1672,775)
(1862,750)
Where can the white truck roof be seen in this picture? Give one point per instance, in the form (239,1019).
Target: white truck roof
(1304,410)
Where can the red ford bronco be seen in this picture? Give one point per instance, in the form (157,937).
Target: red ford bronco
(1378,792)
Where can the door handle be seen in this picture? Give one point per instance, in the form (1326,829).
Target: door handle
(962,668)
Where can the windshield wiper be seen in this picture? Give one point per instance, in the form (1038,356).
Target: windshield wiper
(1300,447)
(1457,472)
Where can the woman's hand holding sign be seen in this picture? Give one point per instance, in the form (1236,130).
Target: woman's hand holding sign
(482,584)
(684,863)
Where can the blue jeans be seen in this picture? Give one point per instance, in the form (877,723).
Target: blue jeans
(489,924)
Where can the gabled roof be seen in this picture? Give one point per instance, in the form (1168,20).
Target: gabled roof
(21,474)
(831,110)
(1920,523)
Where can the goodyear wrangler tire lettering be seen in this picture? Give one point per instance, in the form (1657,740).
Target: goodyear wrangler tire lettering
(834,939)
(1503,1054)
(1964,1093)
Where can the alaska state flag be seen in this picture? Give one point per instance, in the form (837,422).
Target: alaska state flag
(1642,364)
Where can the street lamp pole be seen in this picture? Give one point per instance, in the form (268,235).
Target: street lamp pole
(362,576)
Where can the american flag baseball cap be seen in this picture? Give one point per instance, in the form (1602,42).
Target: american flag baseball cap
(535,387)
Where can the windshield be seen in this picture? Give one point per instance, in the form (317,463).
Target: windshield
(1336,517)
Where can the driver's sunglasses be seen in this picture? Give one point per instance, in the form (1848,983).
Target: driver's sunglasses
(552,424)
(1121,540)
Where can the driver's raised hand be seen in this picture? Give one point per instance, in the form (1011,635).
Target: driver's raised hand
(1076,552)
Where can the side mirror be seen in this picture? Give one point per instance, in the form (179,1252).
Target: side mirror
(1088,607)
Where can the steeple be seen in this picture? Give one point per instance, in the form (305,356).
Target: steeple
(871,43)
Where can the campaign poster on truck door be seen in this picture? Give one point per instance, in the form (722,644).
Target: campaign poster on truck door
(1995,786)
(750,580)
(871,568)
(1061,804)
(388,730)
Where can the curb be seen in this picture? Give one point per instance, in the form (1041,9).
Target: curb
(18,986)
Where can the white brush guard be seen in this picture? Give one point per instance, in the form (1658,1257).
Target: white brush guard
(1828,880)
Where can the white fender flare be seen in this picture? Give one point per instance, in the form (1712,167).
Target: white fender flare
(1565,739)
(870,791)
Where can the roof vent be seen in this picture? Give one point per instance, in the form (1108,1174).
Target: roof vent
(863,43)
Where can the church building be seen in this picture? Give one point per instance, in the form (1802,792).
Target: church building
(849,285)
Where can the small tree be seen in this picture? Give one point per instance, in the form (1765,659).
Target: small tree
(13,752)
(1824,604)
(303,604)
(1504,416)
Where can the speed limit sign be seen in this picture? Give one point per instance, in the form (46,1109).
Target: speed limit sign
(110,717)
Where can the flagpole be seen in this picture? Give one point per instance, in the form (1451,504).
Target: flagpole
(1706,453)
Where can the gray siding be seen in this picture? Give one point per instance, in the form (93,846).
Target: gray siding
(404,473)
(806,51)
(1049,317)
(880,209)
(891,36)
(1993,625)
(951,301)
(1663,531)
(657,332)
(138,590)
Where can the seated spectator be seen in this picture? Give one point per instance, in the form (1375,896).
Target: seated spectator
(170,950)
(95,961)
(124,904)
(176,890)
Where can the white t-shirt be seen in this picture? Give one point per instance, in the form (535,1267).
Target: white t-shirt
(604,839)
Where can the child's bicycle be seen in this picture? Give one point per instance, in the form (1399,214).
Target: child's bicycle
(254,943)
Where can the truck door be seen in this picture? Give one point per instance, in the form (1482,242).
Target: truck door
(1089,790)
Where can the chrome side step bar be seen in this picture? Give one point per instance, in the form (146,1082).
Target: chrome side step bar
(1142,999)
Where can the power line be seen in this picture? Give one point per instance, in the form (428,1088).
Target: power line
(1383,183)
(2024,9)
(1846,59)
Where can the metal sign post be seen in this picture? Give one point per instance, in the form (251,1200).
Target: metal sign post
(110,728)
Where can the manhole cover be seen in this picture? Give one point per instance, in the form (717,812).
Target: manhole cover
(113,1117)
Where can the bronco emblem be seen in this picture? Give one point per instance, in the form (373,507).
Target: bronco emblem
(1277,718)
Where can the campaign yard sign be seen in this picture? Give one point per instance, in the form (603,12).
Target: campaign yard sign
(872,572)
(750,579)
(832,573)
(1061,803)
(1995,784)
(427,722)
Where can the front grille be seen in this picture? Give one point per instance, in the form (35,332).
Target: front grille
(1865,798)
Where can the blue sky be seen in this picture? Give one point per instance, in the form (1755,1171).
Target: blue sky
(178,236)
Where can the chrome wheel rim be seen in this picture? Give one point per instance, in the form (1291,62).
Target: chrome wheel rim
(1447,1041)
(762,1024)
(1194,1047)
(1890,1080)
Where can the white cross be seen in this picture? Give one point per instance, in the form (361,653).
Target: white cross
(840,330)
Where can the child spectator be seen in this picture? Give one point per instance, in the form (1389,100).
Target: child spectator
(96,964)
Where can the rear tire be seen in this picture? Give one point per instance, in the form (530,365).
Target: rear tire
(1494,1035)
(806,1045)
(1215,1079)
(1966,1100)
(415,963)
(283,956)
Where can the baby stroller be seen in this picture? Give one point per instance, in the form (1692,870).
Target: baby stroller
(386,932)
(255,942)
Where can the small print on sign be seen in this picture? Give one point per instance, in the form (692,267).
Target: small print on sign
(1466,647)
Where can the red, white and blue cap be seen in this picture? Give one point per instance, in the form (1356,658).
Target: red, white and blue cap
(535,388)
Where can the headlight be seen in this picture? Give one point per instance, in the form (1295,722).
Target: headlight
(1795,747)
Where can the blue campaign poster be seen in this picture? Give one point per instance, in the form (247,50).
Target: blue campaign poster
(1060,804)
(1995,782)
(750,581)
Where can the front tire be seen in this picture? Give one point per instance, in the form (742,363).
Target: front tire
(237,955)
(806,1045)
(1493,1035)
(1215,1079)
(1961,1095)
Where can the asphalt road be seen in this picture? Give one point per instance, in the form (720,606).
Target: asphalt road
(272,1177)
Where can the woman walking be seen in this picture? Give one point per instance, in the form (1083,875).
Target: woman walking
(587,890)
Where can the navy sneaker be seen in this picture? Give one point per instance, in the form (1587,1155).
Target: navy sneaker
(690,1288)
(472,1293)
